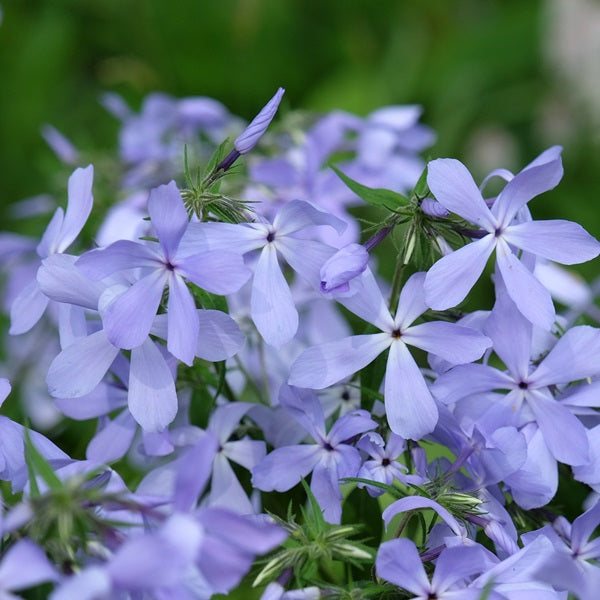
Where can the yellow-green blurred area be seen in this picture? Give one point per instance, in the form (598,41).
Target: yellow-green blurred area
(499,80)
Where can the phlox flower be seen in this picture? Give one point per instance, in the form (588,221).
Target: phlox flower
(272,305)
(410,408)
(128,318)
(330,458)
(450,279)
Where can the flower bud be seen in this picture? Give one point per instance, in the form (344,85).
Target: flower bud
(342,267)
(250,136)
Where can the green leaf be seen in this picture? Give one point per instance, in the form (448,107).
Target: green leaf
(316,513)
(37,465)
(421,189)
(376,196)
(390,489)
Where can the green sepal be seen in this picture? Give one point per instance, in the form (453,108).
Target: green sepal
(37,464)
(421,189)
(376,196)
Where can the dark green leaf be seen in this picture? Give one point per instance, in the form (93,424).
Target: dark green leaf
(376,196)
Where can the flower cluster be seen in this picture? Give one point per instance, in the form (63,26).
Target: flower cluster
(255,387)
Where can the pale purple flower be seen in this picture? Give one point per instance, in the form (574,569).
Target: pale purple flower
(272,305)
(128,318)
(330,458)
(24,565)
(410,408)
(451,278)
(529,398)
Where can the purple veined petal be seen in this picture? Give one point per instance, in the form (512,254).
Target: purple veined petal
(205,237)
(152,398)
(511,334)
(89,584)
(324,484)
(368,303)
(416,502)
(350,425)
(283,468)
(502,173)
(78,207)
(113,440)
(343,266)
(583,527)
(411,303)
(411,410)
(80,367)
(128,319)
(536,482)
(169,217)
(183,322)
(456,563)
(119,256)
(104,398)
(12,574)
(27,308)
(219,336)
(218,272)
(575,356)
(194,467)
(321,366)
(157,444)
(306,409)
(550,154)
(247,534)
(399,562)
(524,186)
(451,278)
(225,489)
(452,342)
(272,305)
(532,299)
(298,214)
(453,186)
(562,241)
(62,281)
(226,418)
(306,257)
(563,433)
(245,452)
(51,235)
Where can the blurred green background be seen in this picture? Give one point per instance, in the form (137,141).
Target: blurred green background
(493,76)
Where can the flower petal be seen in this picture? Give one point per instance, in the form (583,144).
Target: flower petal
(113,440)
(411,410)
(450,341)
(152,398)
(183,322)
(563,433)
(298,214)
(219,272)
(78,207)
(524,186)
(27,308)
(411,303)
(564,242)
(168,215)
(575,356)
(225,489)
(80,367)
(399,562)
(283,468)
(451,278)
(128,319)
(321,366)
(531,297)
(272,305)
(219,336)
(454,188)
